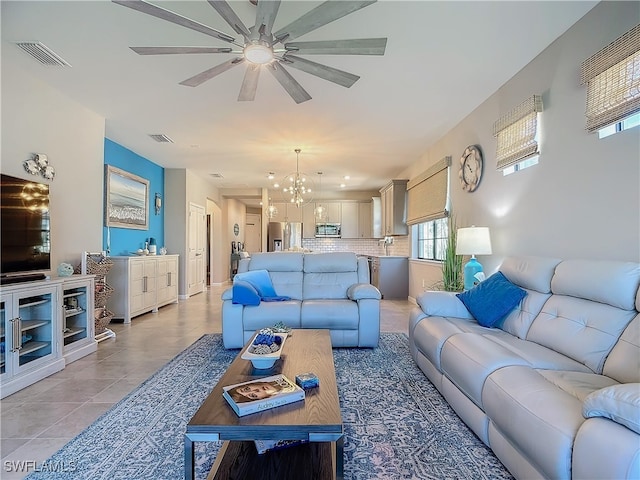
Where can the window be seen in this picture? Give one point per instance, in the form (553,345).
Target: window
(612,78)
(626,124)
(432,239)
(517,135)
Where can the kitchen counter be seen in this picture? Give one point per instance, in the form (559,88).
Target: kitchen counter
(390,274)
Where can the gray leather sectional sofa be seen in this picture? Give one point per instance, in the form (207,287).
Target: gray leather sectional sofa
(555,390)
(326,290)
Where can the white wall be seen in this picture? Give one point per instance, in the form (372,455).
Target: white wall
(181,188)
(582,200)
(38,119)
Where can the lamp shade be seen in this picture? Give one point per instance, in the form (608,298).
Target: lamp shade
(473,241)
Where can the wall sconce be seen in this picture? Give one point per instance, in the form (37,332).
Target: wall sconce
(158,203)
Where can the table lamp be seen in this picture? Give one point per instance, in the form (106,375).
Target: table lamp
(472,241)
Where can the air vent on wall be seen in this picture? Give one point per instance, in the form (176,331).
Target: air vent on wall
(160,138)
(43,54)
(216,175)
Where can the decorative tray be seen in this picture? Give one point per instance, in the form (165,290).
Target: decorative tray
(264,360)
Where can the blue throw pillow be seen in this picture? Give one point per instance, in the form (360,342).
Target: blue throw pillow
(260,280)
(244,293)
(492,300)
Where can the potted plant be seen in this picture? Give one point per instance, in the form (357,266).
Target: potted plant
(452,276)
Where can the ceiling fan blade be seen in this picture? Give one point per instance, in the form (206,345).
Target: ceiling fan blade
(289,83)
(229,16)
(266,15)
(250,83)
(177,50)
(360,46)
(172,17)
(324,13)
(212,72)
(334,75)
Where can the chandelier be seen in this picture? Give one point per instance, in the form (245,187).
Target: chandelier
(298,187)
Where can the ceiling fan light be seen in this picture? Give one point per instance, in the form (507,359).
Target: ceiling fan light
(258,53)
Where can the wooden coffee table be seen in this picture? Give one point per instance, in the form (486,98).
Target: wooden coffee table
(316,419)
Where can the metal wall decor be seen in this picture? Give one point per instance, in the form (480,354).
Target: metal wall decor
(39,165)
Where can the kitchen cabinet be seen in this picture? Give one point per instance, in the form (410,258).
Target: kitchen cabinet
(78,323)
(394,211)
(334,212)
(357,219)
(390,274)
(30,333)
(142,284)
(288,212)
(350,221)
(309,221)
(365,220)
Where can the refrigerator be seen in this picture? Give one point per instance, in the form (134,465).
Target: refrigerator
(283,236)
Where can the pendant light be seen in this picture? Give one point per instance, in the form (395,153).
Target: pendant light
(320,212)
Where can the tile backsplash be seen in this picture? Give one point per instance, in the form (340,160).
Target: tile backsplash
(364,246)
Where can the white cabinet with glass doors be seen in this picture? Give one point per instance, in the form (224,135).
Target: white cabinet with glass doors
(30,334)
(78,324)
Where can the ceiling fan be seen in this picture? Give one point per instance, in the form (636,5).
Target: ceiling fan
(259,45)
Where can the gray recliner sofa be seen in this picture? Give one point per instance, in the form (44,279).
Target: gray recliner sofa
(327,291)
(555,390)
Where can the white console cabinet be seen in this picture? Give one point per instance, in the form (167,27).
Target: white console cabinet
(142,284)
(44,325)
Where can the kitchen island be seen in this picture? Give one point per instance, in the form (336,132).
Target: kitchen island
(390,274)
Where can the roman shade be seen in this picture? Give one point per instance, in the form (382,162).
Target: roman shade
(516,133)
(428,193)
(612,77)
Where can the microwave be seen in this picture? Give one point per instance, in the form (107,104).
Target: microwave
(328,230)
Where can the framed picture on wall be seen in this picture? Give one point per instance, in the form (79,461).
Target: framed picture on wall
(126,203)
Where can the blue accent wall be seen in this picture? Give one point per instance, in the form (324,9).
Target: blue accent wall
(123,241)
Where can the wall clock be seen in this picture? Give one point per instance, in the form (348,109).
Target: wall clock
(471,164)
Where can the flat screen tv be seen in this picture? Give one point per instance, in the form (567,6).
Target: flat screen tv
(25,247)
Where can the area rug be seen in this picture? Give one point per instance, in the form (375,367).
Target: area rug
(397,425)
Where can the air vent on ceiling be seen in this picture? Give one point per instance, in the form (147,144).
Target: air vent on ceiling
(43,54)
(160,138)
(216,175)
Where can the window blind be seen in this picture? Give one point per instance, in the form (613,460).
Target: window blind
(516,133)
(428,193)
(612,77)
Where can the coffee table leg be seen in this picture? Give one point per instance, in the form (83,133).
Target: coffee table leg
(340,458)
(188,458)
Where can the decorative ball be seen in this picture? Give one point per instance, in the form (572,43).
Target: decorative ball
(65,270)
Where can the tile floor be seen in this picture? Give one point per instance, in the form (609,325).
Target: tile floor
(40,419)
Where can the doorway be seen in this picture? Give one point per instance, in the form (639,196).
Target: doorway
(253,233)
(208,248)
(196,246)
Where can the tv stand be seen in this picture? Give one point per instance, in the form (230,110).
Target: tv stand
(27,277)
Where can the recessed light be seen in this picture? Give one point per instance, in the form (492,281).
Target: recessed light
(276,185)
(271,176)
(346,177)
(342,185)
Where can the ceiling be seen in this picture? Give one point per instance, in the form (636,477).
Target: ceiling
(442,60)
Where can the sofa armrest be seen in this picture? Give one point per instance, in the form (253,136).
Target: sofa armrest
(362,291)
(620,403)
(227,294)
(442,304)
